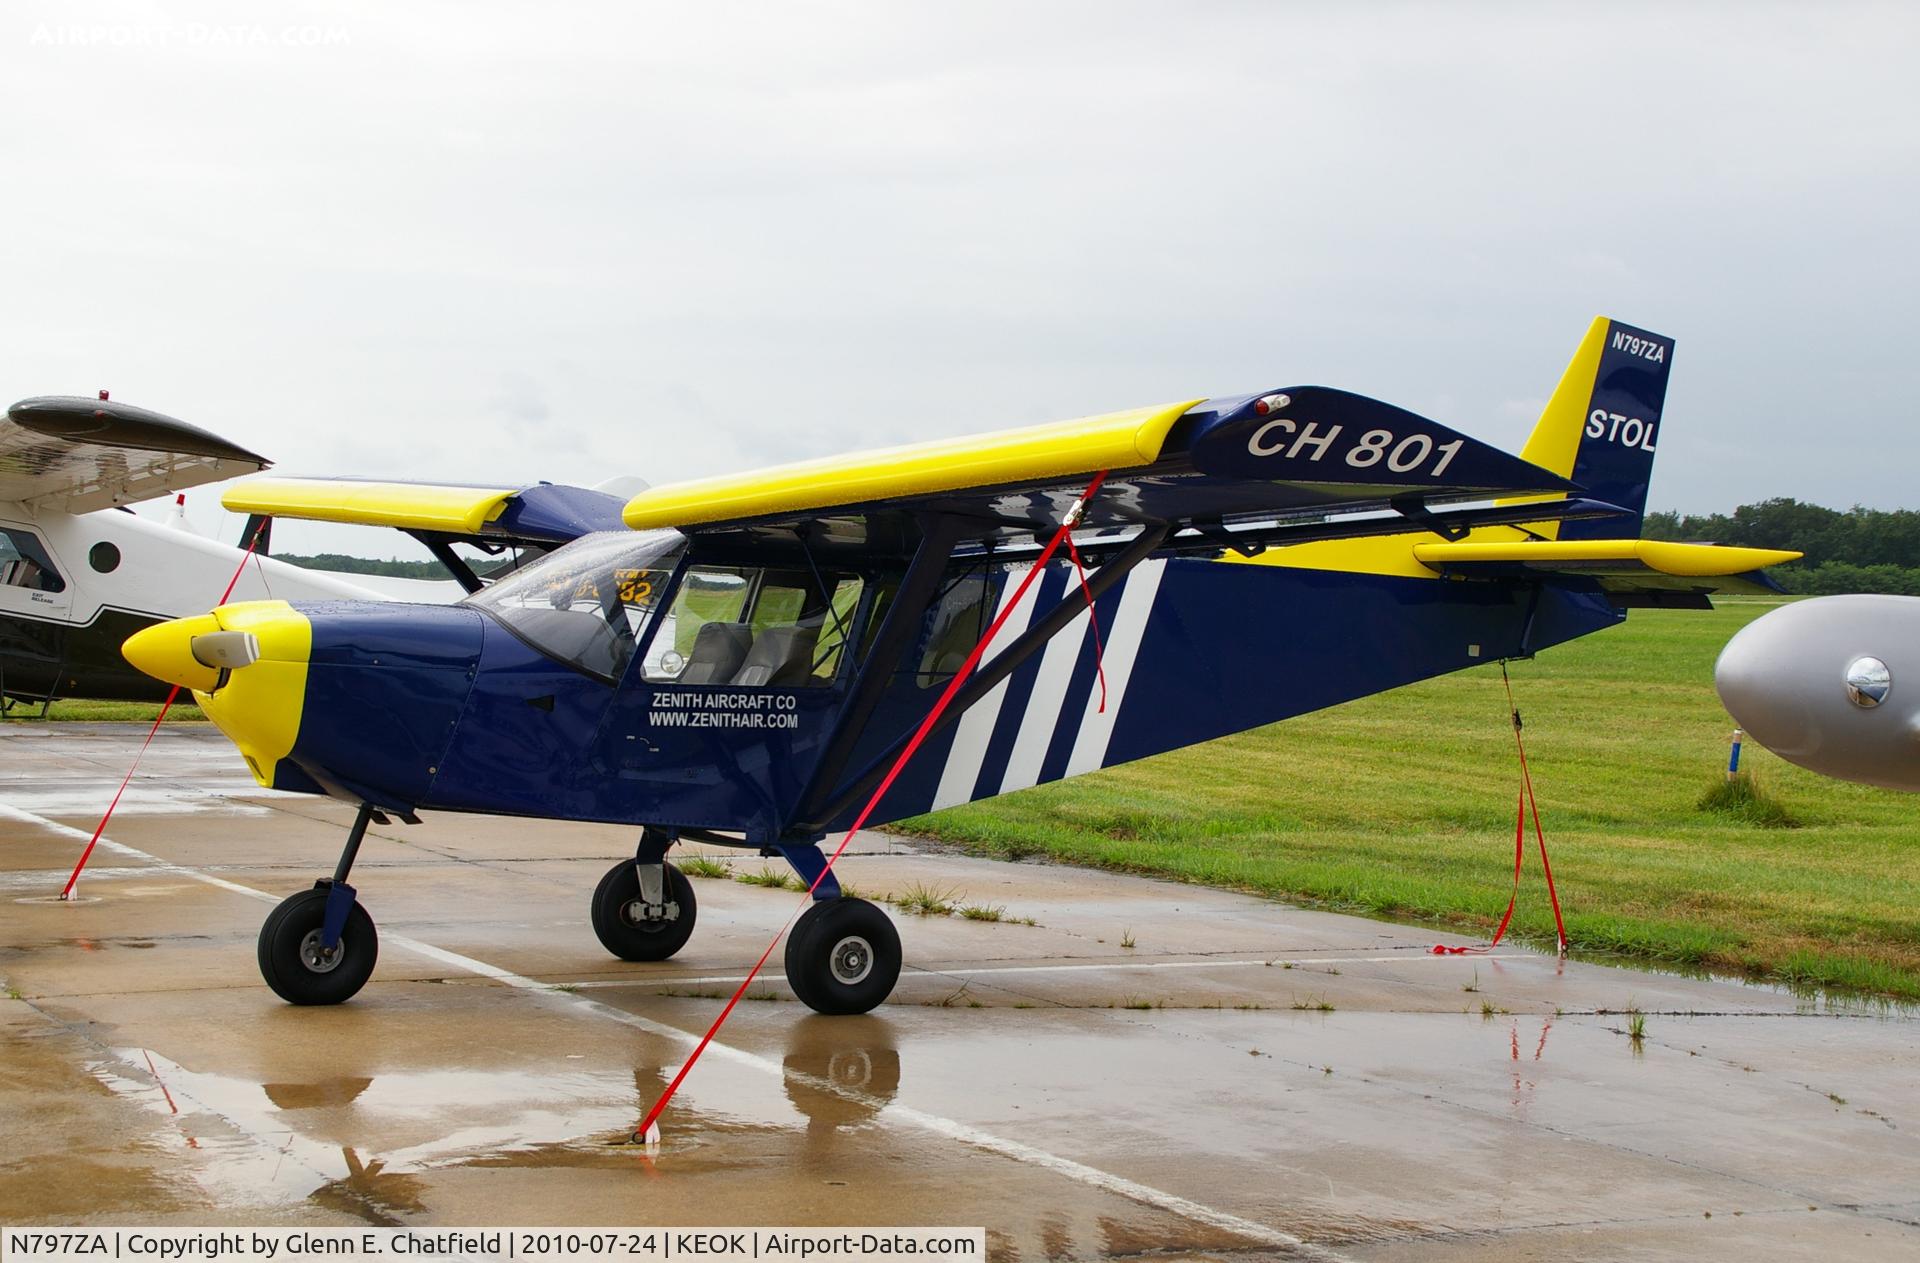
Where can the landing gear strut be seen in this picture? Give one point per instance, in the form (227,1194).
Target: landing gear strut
(843,955)
(319,946)
(644,907)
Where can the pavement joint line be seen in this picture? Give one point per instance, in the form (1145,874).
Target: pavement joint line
(928,972)
(963,1133)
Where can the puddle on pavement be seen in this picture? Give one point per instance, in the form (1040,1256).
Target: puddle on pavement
(358,1142)
(368,1145)
(1810,998)
(361,1143)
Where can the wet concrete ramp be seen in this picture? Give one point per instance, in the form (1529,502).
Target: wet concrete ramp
(1245,1080)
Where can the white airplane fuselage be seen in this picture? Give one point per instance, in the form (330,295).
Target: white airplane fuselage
(103,576)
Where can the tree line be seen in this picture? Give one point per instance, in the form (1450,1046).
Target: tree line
(1858,550)
(339,563)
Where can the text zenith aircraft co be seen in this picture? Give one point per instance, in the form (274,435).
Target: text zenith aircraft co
(745,660)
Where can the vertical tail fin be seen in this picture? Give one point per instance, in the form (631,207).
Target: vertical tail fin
(1601,425)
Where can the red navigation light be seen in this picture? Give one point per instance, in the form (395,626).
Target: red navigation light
(1269,403)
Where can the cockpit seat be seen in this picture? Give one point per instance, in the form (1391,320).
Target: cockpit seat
(781,657)
(719,650)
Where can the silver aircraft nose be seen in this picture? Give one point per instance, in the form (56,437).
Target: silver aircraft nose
(1832,684)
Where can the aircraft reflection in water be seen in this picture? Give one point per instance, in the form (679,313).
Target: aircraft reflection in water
(366,1144)
(747,662)
(1832,684)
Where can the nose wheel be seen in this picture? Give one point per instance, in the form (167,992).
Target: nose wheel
(295,960)
(843,956)
(635,923)
(319,946)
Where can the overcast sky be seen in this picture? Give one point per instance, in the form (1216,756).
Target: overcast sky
(480,241)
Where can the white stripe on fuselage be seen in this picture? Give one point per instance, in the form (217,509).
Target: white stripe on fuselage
(976,726)
(1041,719)
(1122,651)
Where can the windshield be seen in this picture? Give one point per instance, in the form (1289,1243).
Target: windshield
(587,603)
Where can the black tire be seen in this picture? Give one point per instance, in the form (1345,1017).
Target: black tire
(843,956)
(632,939)
(289,950)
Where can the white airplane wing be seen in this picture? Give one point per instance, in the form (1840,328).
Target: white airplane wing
(75,455)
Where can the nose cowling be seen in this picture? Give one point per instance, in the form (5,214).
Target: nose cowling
(246,664)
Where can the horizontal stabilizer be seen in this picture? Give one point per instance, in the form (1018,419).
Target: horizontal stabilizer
(73,454)
(1618,565)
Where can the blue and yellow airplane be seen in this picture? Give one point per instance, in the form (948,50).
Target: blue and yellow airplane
(744,662)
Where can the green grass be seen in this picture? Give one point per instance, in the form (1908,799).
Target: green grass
(702,866)
(1401,806)
(926,901)
(1744,800)
(124,712)
(771,878)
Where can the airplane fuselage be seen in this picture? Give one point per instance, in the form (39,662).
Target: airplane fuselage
(73,587)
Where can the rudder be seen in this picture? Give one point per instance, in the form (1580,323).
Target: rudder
(1602,425)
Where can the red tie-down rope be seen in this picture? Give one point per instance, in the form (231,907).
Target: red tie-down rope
(1093,618)
(139,754)
(1526,804)
(647,1133)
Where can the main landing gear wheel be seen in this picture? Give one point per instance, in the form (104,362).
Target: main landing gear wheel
(298,968)
(843,956)
(621,919)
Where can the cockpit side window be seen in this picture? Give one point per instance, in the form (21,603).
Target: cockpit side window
(755,626)
(25,564)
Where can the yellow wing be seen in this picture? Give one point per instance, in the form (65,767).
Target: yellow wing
(409,506)
(1116,440)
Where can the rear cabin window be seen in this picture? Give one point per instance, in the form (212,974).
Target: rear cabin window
(755,627)
(955,625)
(25,564)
